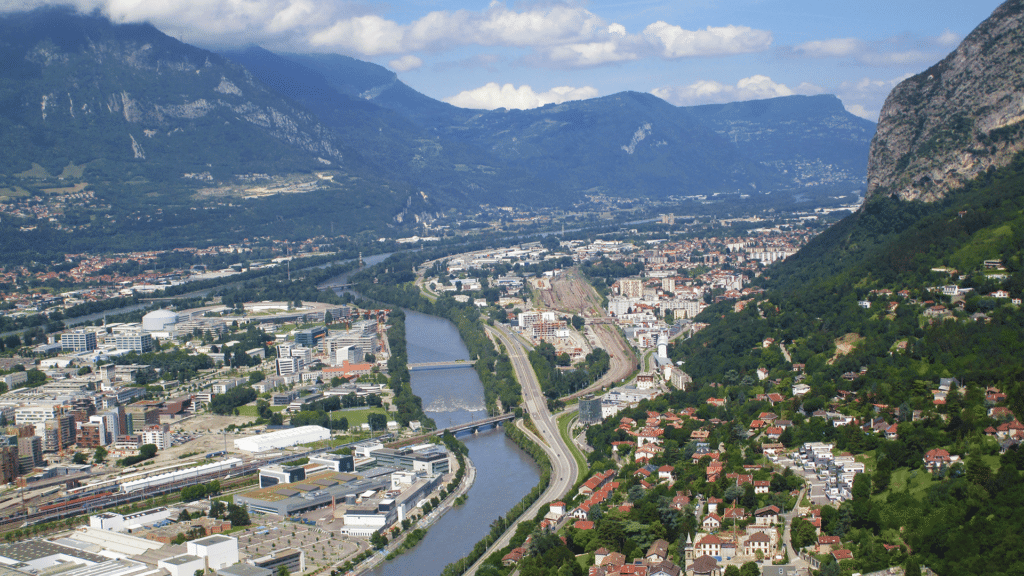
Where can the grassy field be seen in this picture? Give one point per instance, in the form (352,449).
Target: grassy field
(251,410)
(563,429)
(358,417)
(918,481)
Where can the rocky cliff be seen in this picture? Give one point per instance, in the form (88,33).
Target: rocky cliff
(941,128)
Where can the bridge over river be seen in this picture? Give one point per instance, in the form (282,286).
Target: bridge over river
(440,365)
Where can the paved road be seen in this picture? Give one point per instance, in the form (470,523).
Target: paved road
(564,468)
(787,517)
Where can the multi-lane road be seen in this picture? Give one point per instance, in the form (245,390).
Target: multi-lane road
(564,468)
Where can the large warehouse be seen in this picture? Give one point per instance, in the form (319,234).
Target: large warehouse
(283,438)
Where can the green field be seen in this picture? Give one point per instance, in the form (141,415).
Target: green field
(251,410)
(917,481)
(358,417)
(563,429)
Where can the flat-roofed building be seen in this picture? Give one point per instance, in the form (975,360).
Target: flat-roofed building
(291,558)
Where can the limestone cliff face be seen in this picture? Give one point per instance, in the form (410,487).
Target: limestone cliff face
(941,128)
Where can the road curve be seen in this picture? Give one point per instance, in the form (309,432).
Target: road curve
(564,468)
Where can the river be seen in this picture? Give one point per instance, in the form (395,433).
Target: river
(504,472)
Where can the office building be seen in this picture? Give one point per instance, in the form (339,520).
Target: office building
(272,475)
(135,341)
(30,454)
(291,558)
(139,416)
(590,410)
(78,341)
(310,337)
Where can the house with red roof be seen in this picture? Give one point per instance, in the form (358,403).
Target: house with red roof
(712,522)
(709,545)
(842,554)
(514,556)
(937,459)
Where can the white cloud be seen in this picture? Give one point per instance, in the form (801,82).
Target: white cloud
(899,51)
(405,63)
(590,54)
(368,35)
(676,42)
(755,87)
(830,48)
(859,110)
(491,96)
(948,38)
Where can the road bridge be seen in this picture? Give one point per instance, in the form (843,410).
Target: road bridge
(476,425)
(439,365)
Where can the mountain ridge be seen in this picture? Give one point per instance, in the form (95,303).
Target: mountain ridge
(962,116)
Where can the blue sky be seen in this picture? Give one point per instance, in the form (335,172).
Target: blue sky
(488,54)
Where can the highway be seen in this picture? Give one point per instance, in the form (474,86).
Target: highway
(564,468)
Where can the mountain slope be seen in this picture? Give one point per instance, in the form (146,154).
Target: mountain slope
(634,144)
(396,147)
(628,144)
(787,133)
(944,126)
(130,101)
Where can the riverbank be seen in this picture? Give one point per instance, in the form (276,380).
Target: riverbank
(396,546)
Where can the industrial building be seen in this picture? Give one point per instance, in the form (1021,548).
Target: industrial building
(291,558)
(274,475)
(179,475)
(218,550)
(127,523)
(283,439)
(316,491)
(431,459)
(336,462)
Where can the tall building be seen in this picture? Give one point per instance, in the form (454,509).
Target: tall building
(9,469)
(311,337)
(30,454)
(78,341)
(59,433)
(135,341)
(631,287)
(590,410)
(139,416)
(289,365)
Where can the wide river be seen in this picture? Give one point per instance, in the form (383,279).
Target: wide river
(504,472)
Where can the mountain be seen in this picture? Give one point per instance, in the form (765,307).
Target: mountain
(787,133)
(127,101)
(961,117)
(395,146)
(172,143)
(589,145)
(922,284)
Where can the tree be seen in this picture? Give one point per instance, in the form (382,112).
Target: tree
(100,455)
(238,515)
(801,533)
(750,569)
(328,318)
(377,421)
(378,540)
(79,458)
(281,571)
(147,450)
(217,508)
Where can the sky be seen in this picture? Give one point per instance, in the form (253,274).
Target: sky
(493,53)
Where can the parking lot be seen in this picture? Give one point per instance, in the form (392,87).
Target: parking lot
(322,547)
